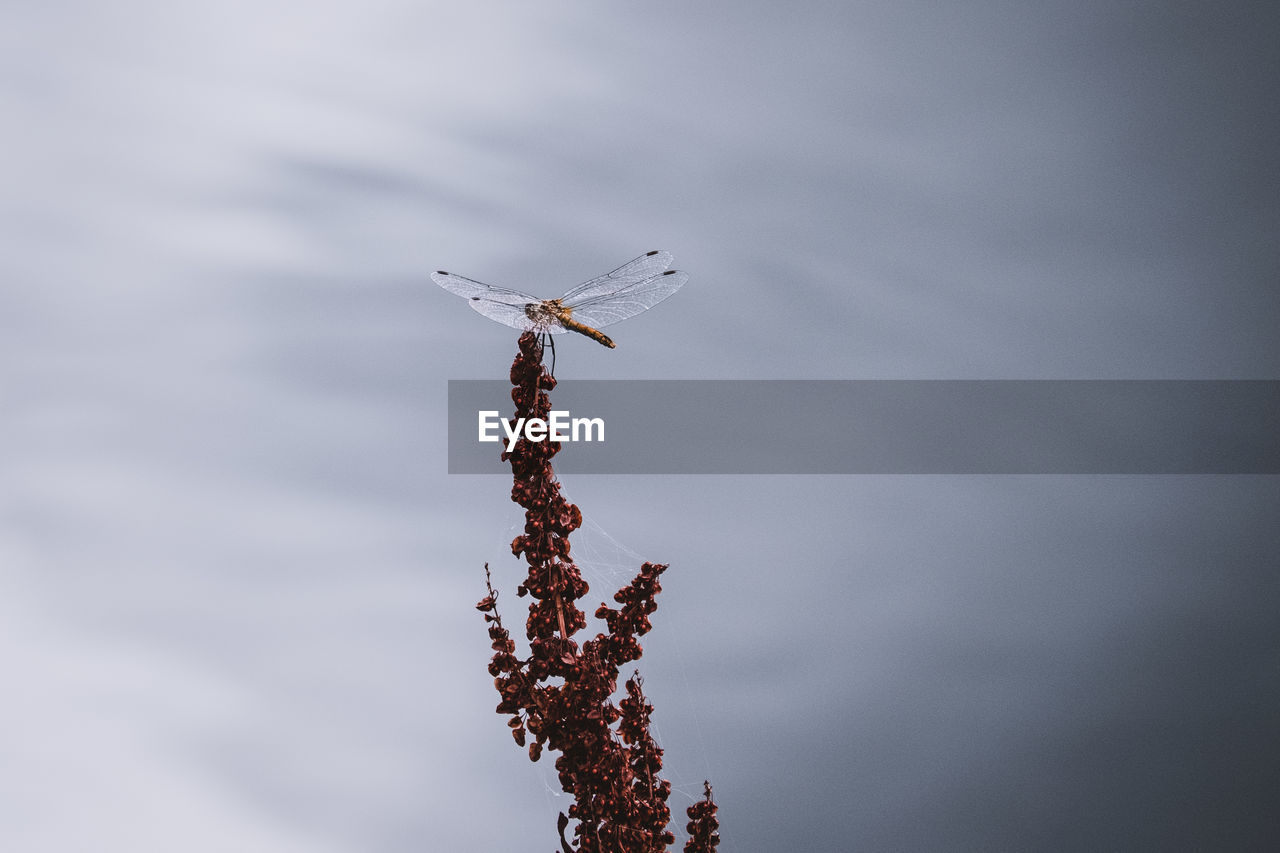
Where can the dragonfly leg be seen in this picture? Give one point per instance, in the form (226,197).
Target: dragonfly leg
(547,342)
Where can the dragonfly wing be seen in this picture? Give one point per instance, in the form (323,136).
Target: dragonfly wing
(514,316)
(613,307)
(470,289)
(633,272)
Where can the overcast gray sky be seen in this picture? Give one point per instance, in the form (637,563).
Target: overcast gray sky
(236,584)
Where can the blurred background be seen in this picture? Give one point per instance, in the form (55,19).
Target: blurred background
(236,583)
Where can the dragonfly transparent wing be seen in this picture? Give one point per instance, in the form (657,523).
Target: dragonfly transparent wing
(633,272)
(615,306)
(515,316)
(502,304)
(470,289)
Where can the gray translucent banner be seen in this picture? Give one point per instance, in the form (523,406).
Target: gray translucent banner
(891,427)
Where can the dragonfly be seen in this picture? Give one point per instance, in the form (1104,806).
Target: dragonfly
(632,288)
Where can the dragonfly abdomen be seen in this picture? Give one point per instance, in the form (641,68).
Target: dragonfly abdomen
(594,334)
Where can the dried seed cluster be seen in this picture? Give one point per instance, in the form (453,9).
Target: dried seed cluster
(608,762)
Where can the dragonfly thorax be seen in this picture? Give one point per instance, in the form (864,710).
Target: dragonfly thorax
(547,312)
